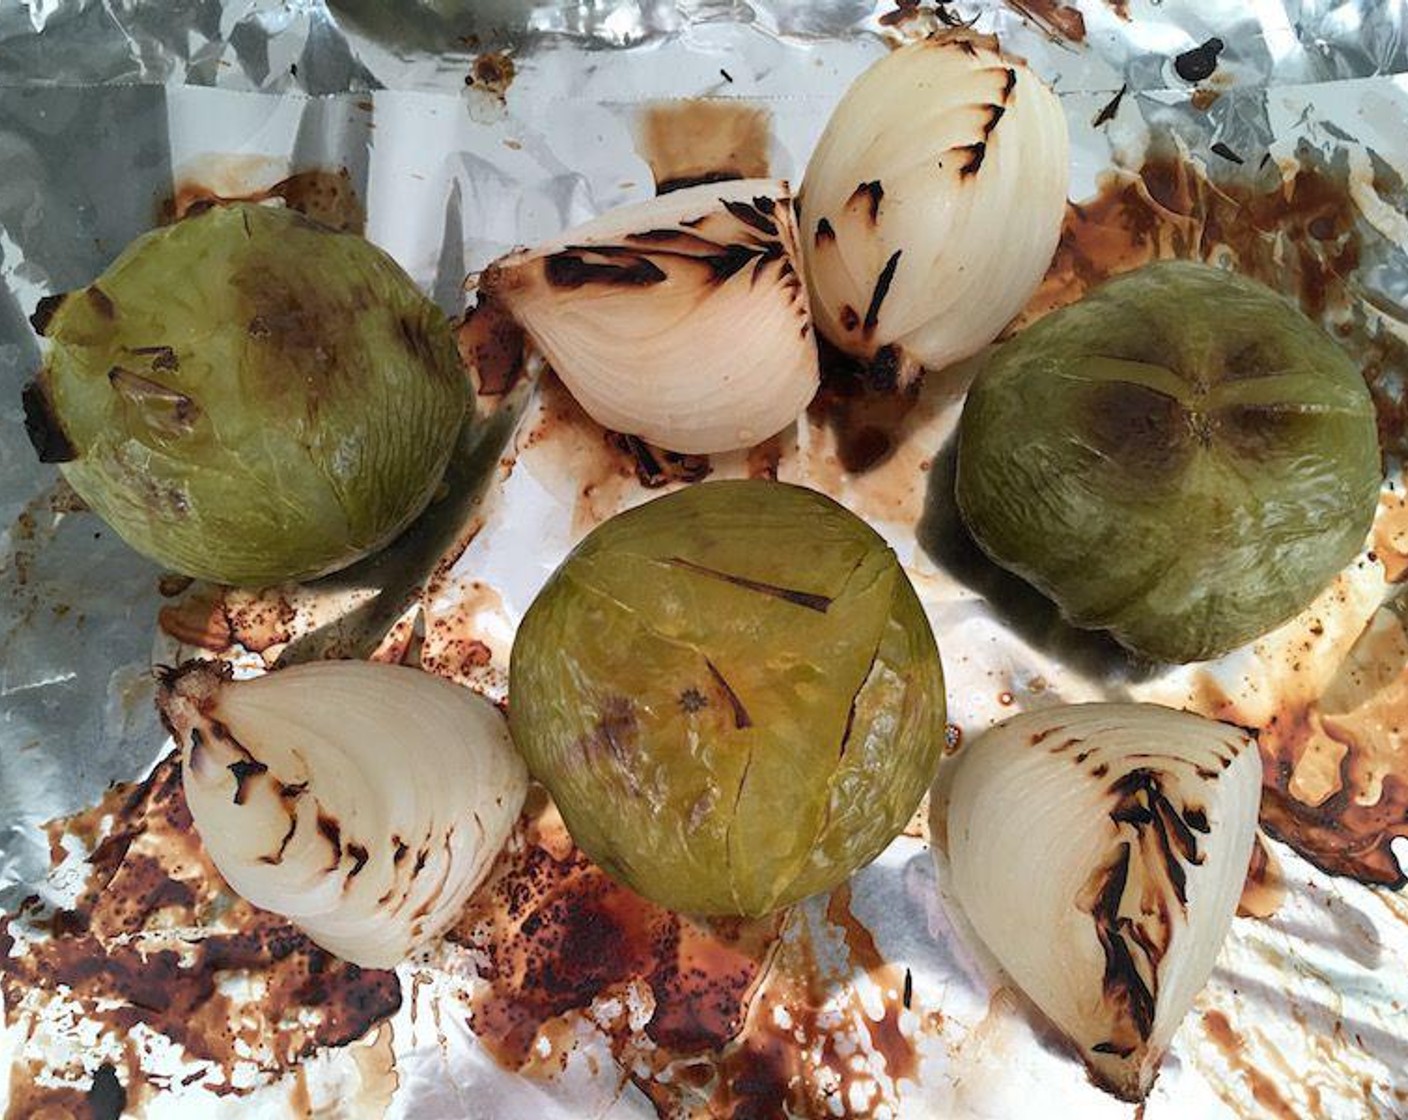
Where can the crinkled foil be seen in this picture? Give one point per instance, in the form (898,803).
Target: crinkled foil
(870,1003)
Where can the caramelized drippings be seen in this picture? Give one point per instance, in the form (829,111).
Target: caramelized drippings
(121,952)
(1265,888)
(1298,233)
(557,933)
(1058,20)
(698,141)
(327,197)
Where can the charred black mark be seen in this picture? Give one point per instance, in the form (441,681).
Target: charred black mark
(163,357)
(1121,980)
(994,115)
(740,713)
(1100,771)
(750,215)
(655,467)
(850,317)
(855,699)
(692,700)
(1042,736)
(1196,819)
(1111,1048)
(967,47)
(107,1099)
(101,301)
(359,858)
(570,269)
(332,833)
(873,192)
(1200,62)
(41,425)
(813,602)
(398,849)
(763,204)
(44,312)
(1083,755)
(882,289)
(824,232)
(1009,84)
(908,997)
(421,856)
(725,74)
(243,769)
(278,856)
(197,743)
(1221,149)
(680,182)
(976,152)
(1107,114)
(882,372)
(258,327)
(664,235)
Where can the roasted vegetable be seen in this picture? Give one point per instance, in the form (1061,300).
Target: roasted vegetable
(1182,458)
(732,693)
(1099,851)
(248,397)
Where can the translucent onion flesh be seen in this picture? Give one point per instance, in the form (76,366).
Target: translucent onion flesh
(362,801)
(1098,851)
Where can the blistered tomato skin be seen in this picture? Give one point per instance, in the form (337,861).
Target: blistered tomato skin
(732,693)
(249,397)
(1182,459)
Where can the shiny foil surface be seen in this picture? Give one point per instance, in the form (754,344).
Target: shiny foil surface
(1267,135)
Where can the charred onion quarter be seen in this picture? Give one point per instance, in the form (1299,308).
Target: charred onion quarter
(1099,851)
(933,203)
(732,693)
(249,397)
(363,802)
(1182,458)
(681,320)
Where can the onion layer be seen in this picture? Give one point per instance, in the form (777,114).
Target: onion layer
(681,320)
(933,202)
(1099,851)
(362,801)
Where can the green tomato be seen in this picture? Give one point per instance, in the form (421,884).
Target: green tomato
(248,397)
(732,693)
(1181,458)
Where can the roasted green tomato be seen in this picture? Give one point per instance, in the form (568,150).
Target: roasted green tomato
(732,693)
(1182,458)
(249,397)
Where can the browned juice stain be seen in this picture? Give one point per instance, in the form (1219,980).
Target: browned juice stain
(1264,891)
(1231,1045)
(557,933)
(703,141)
(491,347)
(326,196)
(1391,536)
(868,420)
(492,72)
(1062,21)
(1297,232)
(218,619)
(121,951)
(557,938)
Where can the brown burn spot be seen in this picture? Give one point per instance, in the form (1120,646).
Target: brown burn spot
(148,875)
(44,311)
(871,193)
(243,770)
(43,427)
(491,72)
(571,269)
(974,158)
(741,719)
(491,347)
(825,232)
(101,302)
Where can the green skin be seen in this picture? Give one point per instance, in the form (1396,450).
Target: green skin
(303,415)
(1181,458)
(771,776)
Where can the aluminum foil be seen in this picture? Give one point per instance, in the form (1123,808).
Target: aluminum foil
(868,1003)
